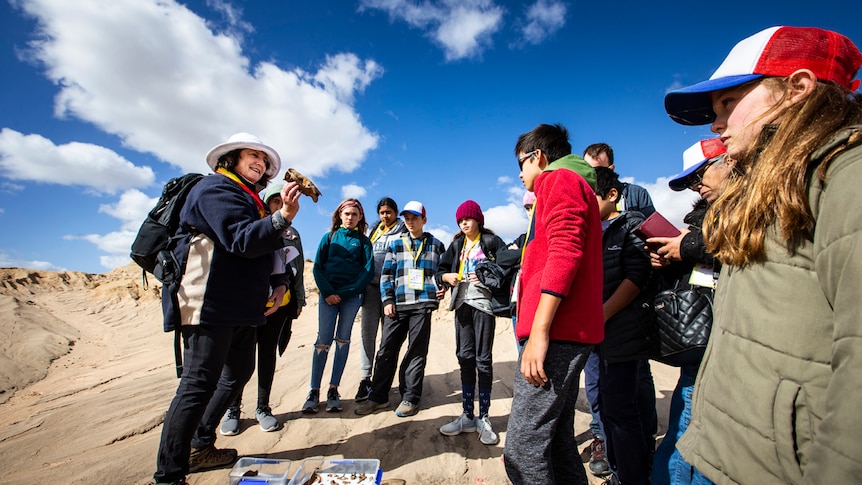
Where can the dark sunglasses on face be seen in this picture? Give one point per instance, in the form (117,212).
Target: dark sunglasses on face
(697,176)
(523,158)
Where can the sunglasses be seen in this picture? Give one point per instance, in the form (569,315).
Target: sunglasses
(523,158)
(697,176)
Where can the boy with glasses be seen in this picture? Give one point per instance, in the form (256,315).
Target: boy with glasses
(560,315)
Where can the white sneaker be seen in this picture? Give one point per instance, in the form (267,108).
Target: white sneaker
(462,424)
(486,434)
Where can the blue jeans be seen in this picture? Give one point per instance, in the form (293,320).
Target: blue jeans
(668,466)
(591,388)
(335,322)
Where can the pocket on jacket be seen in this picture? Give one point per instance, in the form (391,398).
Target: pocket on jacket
(792,426)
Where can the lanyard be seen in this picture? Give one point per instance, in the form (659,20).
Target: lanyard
(257,201)
(380,231)
(529,230)
(465,251)
(408,243)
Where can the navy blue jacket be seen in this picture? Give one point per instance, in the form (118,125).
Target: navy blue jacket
(229,262)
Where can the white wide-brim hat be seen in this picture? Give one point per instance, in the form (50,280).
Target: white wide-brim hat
(245,140)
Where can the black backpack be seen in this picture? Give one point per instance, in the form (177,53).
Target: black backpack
(160,226)
(151,248)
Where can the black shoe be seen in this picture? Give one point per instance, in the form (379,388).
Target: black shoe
(210,457)
(364,390)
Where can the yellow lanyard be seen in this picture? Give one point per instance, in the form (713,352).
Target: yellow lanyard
(409,245)
(381,231)
(529,228)
(257,202)
(465,251)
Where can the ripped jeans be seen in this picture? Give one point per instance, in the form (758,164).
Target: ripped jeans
(335,322)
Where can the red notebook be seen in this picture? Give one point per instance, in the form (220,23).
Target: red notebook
(656,226)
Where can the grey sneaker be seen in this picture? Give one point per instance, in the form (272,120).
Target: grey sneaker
(333,401)
(368,406)
(312,402)
(265,419)
(462,424)
(486,434)
(210,457)
(406,408)
(230,422)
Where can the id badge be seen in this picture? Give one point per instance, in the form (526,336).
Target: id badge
(515,289)
(702,276)
(416,279)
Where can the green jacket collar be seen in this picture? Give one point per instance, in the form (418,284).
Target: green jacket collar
(575,164)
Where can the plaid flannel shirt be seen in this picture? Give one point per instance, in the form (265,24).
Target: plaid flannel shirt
(399,260)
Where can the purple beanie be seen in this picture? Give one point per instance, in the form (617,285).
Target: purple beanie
(470,209)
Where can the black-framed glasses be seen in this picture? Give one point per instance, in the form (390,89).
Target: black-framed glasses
(523,158)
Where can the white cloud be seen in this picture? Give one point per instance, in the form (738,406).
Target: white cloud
(232,14)
(7,261)
(543,19)
(673,86)
(154,74)
(443,233)
(504,180)
(35,158)
(353,191)
(672,205)
(131,210)
(157,76)
(344,74)
(463,28)
(9,187)
(507,221)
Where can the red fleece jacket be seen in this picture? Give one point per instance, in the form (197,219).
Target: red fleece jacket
(564,258)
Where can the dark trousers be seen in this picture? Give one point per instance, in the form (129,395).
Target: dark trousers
(474,340)
(267,345)
(415,326)
(619,386)
(541,431)
(217,361)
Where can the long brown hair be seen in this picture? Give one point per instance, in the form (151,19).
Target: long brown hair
(777,171)
(362,226)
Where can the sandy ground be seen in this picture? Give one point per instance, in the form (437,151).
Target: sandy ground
(86,375)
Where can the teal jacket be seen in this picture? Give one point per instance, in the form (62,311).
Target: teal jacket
(344,264)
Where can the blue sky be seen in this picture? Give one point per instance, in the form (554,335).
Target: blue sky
(105,100)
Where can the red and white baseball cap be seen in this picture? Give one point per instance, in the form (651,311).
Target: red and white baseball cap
(414,207)
(777,52)
(693,158)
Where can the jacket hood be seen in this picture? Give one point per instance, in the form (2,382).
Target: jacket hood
(575,164)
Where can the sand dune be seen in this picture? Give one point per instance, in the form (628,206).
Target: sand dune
(86,375)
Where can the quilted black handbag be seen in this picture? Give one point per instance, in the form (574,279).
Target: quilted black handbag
(683,321)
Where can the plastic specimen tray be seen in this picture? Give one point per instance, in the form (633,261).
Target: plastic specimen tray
(334,471)
(259,471)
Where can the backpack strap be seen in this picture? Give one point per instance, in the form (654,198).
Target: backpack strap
(178,350)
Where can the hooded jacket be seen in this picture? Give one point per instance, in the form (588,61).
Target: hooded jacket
(380,246)
(563,254)
(778,392)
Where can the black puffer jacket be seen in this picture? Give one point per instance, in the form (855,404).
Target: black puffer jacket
(692,250)
(628,333)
